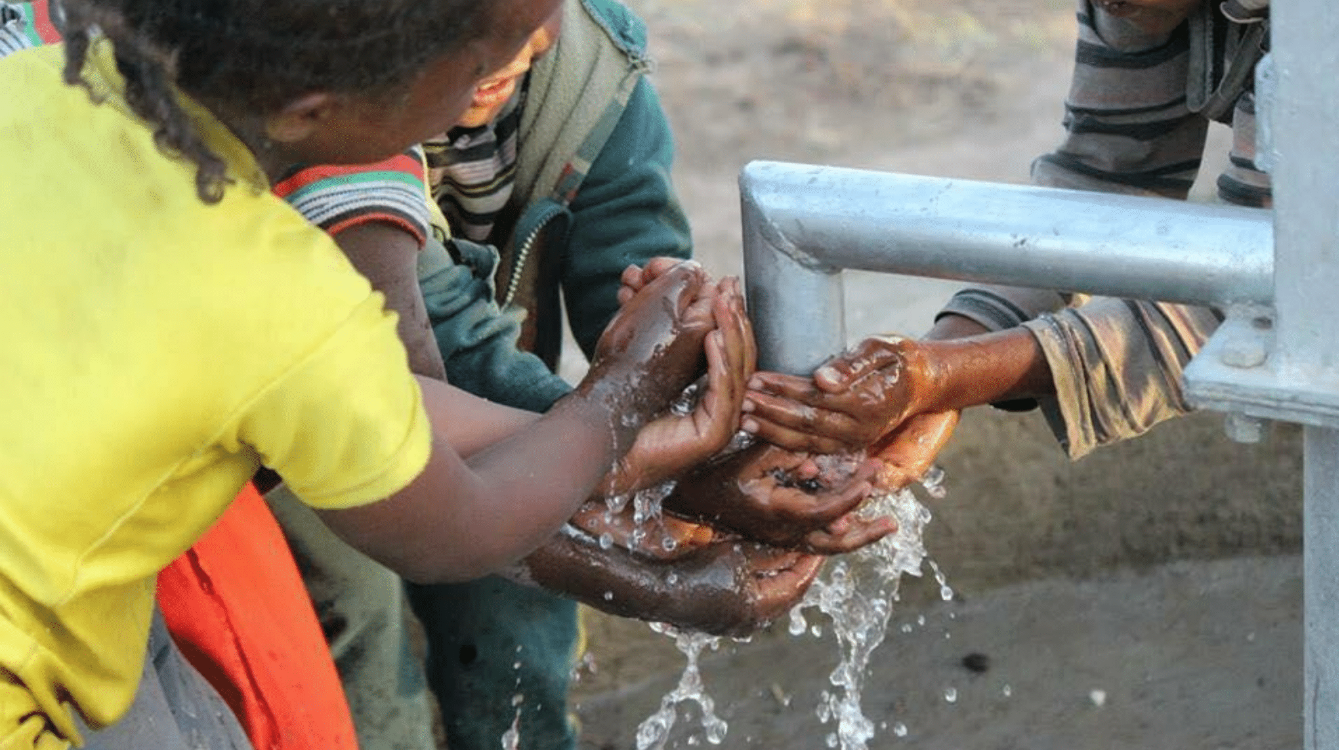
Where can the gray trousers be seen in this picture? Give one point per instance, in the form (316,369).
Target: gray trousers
(175,708)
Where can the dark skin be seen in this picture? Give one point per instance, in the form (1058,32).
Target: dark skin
(773,494)
(782,498)
(489,456)
(722,587)
(569,563)
(898,396)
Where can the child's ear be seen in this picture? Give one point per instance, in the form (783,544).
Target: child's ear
(300,117)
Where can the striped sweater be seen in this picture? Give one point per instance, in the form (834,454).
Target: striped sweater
(1136,118)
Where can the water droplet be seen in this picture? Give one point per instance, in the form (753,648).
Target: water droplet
(900,729)
(606,540)
(951,695)
(1007,691)
(609,596)
(1098,697)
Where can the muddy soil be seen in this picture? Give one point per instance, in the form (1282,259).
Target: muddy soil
(968,89)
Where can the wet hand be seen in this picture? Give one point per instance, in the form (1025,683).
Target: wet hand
(850,403)
(653,348)
(660,537)
(784,498)
(734,588)
(677,439)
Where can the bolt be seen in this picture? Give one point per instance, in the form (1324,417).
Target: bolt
(1243,352)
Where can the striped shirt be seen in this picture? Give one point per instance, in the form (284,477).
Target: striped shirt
(1136,118)
(335,198)
(24,25)
(473,171)
(1139,106)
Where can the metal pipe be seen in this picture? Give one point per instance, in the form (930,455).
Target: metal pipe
(1305,175)
(804,223)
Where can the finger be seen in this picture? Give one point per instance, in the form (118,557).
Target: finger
(799,426)
(632,277)
(717,414)
(751,351)
(657,266)
(849,536)
(870,355)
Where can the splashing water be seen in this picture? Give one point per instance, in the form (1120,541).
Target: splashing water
(653,732)
(857,593)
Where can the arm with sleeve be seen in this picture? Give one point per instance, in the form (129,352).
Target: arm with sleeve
(477,340)
(1116,364)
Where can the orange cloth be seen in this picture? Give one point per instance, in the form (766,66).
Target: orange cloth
(237,608)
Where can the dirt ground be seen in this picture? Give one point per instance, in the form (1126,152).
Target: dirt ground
(968,89)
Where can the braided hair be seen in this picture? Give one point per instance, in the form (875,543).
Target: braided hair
(256,56)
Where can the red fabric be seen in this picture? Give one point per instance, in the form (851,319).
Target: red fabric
(236,607)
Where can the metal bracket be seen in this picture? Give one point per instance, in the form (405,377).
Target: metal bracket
(1238,371)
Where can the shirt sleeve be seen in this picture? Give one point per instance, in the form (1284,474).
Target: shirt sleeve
(345,424)
(335,198)
(1117,367)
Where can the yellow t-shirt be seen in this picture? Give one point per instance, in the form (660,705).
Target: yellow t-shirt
(157,350)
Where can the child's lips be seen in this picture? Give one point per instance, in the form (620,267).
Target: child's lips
(494,92)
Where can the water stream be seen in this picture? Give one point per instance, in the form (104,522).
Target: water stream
(856,593)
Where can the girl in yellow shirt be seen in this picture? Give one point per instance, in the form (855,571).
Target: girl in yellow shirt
(170,327)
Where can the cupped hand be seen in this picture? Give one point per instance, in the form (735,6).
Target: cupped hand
(653,348)
(783,498)
(851,401)
(677,440)
(735,588)
(662,537)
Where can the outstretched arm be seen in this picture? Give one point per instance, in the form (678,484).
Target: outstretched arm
(725,587)
(459,520)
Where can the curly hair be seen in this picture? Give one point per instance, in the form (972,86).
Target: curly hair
(258,55)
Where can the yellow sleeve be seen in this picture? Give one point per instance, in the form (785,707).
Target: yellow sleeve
(345,425)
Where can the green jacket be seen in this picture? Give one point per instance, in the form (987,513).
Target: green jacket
(593,194)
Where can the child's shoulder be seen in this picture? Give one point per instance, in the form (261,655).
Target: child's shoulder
(623,26)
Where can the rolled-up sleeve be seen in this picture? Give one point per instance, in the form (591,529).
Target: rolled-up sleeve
(1117,367)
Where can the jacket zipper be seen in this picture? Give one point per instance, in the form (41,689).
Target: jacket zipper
(522,254)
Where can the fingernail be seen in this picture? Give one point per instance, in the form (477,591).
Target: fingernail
(827,373)
(748,425)
(747,406)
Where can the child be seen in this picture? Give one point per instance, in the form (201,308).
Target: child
(1150,75)
(570,190)
(189,389)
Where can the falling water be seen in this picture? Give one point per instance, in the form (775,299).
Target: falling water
(857,593)
(654,731)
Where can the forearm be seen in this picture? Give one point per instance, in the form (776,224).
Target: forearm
(461,519)
(1117,367)
(981,369)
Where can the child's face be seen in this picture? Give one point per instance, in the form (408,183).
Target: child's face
(361,130)
(495,90)
(1153,16)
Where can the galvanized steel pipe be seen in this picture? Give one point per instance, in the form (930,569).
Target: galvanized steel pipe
(803,224)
